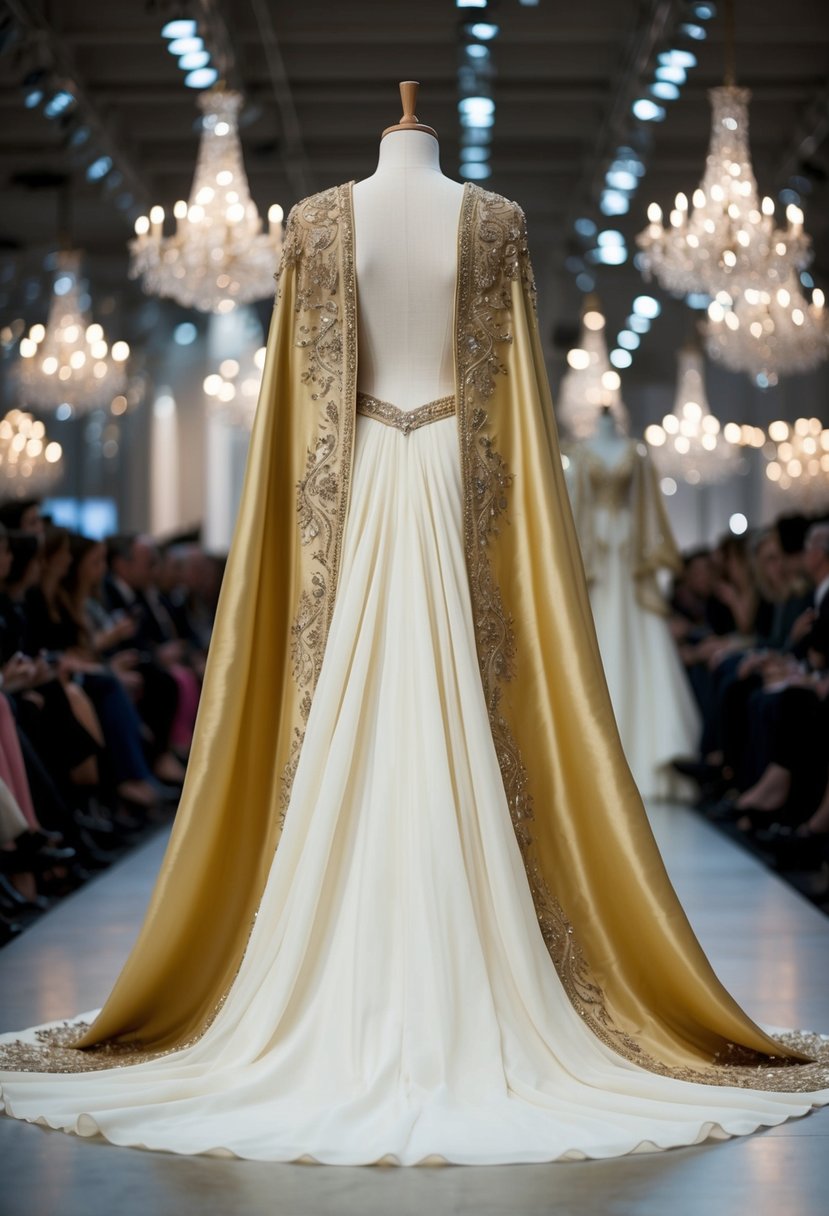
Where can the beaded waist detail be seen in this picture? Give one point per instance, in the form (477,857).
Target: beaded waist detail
(405,420)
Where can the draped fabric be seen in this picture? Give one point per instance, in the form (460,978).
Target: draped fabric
(625,539)
(631,484)
(626,955)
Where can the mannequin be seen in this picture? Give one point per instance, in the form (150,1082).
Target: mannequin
(444,929)
(406,227)
(606,441)
(626,540)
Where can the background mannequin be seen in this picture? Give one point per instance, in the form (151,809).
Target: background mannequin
(606,441)
(626,541)
(406,227)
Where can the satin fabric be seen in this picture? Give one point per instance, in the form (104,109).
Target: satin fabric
(396,1000)
(655,711)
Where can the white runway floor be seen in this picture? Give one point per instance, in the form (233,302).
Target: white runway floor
(769,946)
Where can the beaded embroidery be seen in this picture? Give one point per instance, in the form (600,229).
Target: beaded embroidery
(405,420)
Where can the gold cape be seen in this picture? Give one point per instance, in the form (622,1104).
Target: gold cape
(616,932)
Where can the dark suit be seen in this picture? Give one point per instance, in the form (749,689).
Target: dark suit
(159,699)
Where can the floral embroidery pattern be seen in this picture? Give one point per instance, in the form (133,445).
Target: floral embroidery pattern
(319,244)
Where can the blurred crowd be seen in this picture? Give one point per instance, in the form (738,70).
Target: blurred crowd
(751,620)
(102,652)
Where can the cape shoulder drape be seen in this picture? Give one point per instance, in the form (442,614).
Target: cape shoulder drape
(632,485)
(615,930)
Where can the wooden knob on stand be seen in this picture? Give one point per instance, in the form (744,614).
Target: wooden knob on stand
(409,122)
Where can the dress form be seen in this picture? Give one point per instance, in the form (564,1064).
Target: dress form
(406,218)
(606,441)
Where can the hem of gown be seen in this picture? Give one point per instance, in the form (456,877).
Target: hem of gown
(711,1130)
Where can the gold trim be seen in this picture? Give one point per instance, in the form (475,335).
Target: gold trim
(405,421)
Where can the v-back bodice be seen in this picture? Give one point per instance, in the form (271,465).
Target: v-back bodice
(406,265)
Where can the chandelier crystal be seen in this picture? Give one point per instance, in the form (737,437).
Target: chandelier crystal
(798,461)
(233,390)
(29,462)
(768,332)
(590,382)
(67,363)
(727,239)
(726,246)
(219,256)
(689,444)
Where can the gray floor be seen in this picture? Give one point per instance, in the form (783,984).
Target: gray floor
(769,946)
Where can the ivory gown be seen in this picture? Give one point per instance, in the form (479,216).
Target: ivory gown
(655,710)
(396,1000)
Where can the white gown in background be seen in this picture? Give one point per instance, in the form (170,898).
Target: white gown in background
(396,1000)
(655,710)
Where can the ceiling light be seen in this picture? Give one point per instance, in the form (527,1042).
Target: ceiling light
(678,59)
(611,255)
(621,358)
(647,306)
(201,78)
(59,103)
(614,202)
(621,179)
(179,29)
(664,90)
(477,107)
(99,168)
(183,46)
(185,333)
(671,73)
(484,30)
(194,59)
(647,111)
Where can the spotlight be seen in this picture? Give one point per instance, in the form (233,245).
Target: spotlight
(99,168)
(184,46)
(179,29)
(59,103)
(201,78)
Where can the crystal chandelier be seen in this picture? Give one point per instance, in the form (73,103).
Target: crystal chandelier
(28,461)
(67,364)
(234,390)
(590,382)
(798,461)
(728,247)
(768,331)
(689,444)
(219,256)
(727,241)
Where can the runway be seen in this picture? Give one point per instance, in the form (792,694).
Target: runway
(769,946)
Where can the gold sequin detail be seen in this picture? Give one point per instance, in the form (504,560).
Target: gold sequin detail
(405,420)
(319,243)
